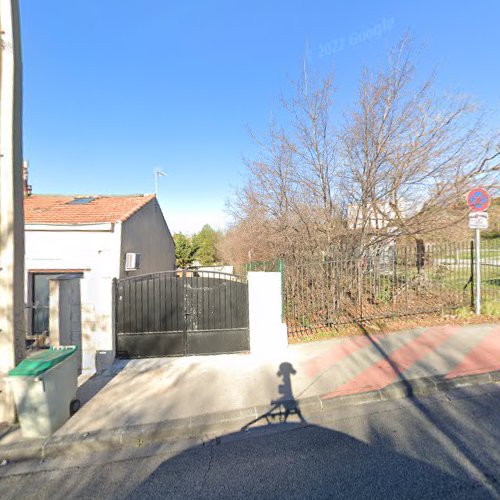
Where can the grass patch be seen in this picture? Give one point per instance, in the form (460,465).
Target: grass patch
(486,253)
(491,309)
(464,312)
(460,316)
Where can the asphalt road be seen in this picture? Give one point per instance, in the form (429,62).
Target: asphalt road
(444,446)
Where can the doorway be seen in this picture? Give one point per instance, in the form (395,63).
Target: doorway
(40,306)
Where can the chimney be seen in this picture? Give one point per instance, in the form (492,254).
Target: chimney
(26,187)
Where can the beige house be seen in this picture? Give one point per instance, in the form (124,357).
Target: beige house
(96,238)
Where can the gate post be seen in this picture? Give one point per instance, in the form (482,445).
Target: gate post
(268,333)
(114,312)
(184,310)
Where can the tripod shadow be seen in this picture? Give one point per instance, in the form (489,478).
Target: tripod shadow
(286,405)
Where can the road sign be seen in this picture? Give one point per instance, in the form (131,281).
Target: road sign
(478,220)
(478,199)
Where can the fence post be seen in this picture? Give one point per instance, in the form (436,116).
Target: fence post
(281,269)
(359,292)
(394,277)
(471,278)
(406,280)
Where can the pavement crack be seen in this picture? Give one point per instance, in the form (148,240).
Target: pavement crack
(211,445)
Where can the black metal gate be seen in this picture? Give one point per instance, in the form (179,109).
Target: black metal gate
(179,313)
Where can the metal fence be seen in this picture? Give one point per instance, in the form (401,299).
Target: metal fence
(490,270)
(386,282)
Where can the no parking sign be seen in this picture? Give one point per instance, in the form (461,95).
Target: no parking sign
(478,199)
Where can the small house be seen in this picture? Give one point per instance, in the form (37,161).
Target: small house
(96,238)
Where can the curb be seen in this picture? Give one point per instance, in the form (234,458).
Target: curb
(212,425)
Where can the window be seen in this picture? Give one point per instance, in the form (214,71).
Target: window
(81,201)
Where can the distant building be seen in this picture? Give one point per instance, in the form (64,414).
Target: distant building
(98,238)
(214,269)
(379,215)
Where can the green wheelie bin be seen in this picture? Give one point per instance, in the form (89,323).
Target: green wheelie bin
(44,387)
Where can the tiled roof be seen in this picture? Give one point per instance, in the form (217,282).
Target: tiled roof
(54,209)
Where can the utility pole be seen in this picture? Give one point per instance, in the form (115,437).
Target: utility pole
(12,332)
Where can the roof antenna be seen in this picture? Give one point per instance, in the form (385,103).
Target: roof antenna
(158,173)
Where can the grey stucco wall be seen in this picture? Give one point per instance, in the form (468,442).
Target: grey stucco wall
(147,233)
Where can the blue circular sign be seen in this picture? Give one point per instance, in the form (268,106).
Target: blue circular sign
(478,199)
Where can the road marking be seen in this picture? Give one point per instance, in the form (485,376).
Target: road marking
(483,358)
(341,351)
(388,370)
(334,355)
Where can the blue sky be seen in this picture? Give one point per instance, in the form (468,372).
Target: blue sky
(116,88)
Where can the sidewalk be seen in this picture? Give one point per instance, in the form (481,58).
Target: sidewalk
(135,393)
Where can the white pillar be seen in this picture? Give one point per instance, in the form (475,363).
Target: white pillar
(268,333)
(12,332)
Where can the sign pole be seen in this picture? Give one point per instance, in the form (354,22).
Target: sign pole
(478,200)
(477,267)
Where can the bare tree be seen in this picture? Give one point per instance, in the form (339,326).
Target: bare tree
(408,155)
(289,193)
(402,158)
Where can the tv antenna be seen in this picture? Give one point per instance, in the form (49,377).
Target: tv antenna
(158,173)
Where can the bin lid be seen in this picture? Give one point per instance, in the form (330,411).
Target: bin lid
(41,361)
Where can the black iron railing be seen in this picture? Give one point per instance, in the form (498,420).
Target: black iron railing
(386,282)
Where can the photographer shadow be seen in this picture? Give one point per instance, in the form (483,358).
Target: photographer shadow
(286,405)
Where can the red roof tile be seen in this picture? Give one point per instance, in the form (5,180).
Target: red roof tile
(54,209)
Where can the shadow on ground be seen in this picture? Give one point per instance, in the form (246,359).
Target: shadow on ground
(286,459)
(307,462)
(98,381)
(286,405)
(432,450)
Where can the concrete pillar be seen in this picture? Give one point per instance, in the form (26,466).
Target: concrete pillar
(12,331)
(65,313)
(268,333)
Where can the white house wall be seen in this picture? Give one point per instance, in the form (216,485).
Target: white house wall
(98,250)
(147,233)
(96,254)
